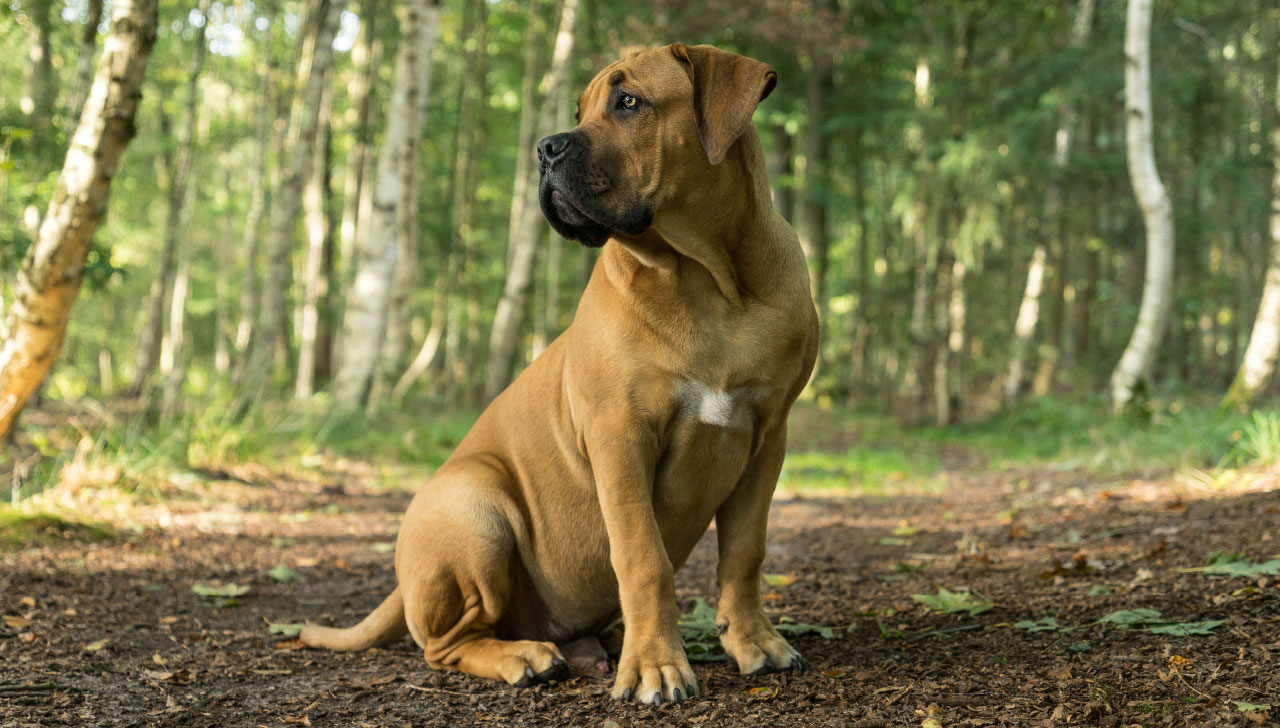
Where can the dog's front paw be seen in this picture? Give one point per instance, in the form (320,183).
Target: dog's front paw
(656,677)
(758,648)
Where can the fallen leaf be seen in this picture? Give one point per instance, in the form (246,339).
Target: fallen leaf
(157,675)
(767,692)
(780,579)
(931,723)
(1060,673)
(949,602)
(384,547)
(27,636)
(835,673)
(372,682)
(16,622)
(296,720)
(286,629)
(306,562)
(27,602)
(95,646)
(156,658)
(168,620)
(293,644)
(282,573)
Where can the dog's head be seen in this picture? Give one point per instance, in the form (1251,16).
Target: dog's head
(648,124)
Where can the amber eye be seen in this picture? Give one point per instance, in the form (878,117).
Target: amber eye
(629,102)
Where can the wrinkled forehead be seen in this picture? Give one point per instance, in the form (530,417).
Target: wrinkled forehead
(652,74)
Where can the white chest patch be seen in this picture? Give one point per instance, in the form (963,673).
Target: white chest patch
(733,409)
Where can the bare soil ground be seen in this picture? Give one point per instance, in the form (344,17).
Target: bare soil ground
(112,634)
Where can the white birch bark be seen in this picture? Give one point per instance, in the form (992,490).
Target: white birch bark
(83,77)
(1029,310)
(509,318)
(304,123)
(365,318)
(53,269)
(1259,365)
(1157,214)
(150,337)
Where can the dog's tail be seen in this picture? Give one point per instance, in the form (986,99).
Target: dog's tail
(383,626)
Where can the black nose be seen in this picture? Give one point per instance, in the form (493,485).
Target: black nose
(553,148)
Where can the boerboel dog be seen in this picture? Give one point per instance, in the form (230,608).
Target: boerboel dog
(551,534)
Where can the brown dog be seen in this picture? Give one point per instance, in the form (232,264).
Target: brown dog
(585,484)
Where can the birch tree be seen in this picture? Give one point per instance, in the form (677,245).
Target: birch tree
(53,268)
(1024,327)
(304,123)
(365,317)
(1157,214)
(149,337)
(509,318)
(83,77)
(1259,365)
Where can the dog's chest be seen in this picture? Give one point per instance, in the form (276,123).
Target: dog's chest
(702,403)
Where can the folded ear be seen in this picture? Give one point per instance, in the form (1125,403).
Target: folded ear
(726,89)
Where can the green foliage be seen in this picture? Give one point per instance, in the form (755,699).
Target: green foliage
(1235,565)
(1259,440)
(702,638)
(1044,624)
(225,595)
(1151,620)
(285,629)
(282,573)
(19,529)
(949,602)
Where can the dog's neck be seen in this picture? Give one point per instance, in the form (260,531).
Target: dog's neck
(726,235)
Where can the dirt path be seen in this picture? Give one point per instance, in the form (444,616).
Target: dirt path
(112,634)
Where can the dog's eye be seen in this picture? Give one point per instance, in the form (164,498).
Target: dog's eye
(628,102)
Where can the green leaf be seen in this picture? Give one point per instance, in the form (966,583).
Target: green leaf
(1132,617)
(1079,647)
(780,579)
(949,602)
(286,629)
(227,590)
(282,573)
(1244,707)
(1047,624)
(787,625)
(1100,591)
(1186,629)
(1241,569)
(1152,621)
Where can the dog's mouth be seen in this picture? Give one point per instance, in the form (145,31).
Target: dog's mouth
(568,218)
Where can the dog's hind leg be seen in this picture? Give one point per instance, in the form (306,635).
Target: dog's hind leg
(454,566)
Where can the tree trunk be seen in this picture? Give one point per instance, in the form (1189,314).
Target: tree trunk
(1024,327)
(1259,365)
(509,318)
(1135,364)
(304,122)
(249,293)
(53,268)
(814,145)
(365,56)
(171,363)
(41,88)
(149,338)
(84,66)
(365,316)
(458,251)
(313,337)
(526,173)
(780,171)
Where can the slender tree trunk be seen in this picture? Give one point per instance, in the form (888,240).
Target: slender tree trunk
(456,261)
(509,318)
(814,145)
(149,338)
(41,88)
(171,362)
(1024,327)
(249,293)
(313,339)
(52,270)
(365,56)
(526,172)
(1135,364)
(304,122)
(365,316)
(780,170)
(1258,368)
(84,65)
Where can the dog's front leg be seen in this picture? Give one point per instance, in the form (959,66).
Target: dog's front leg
(748,637)
(653,667)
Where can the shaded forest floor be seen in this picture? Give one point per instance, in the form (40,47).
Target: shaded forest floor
(112,633)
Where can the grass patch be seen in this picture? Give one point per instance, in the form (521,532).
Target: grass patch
(20,530)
